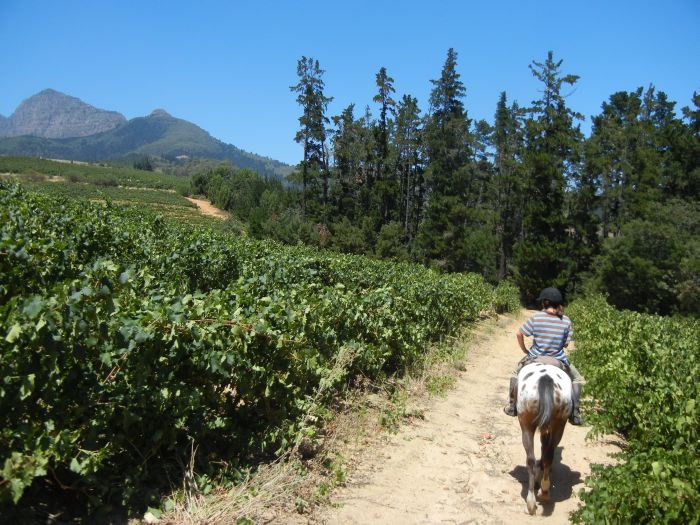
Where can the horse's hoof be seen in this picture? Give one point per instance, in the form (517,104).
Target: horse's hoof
(544,496)
(531,504)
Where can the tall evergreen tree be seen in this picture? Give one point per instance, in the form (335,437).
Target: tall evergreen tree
(447,139)
(408,145)
(385,87)
(348,158)
(386,191)
(312,133)
(636,155)
(552,148)
(508,181)
(691,149)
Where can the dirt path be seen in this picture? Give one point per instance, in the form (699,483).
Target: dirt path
(464,463)
(207,208)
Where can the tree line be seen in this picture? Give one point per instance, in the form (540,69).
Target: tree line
(527,197)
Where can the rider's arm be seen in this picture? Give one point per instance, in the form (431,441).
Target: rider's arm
(521,341)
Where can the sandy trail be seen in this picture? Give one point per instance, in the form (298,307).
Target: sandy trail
(207,208)
(464,463)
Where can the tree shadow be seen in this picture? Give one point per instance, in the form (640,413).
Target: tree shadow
(563,482)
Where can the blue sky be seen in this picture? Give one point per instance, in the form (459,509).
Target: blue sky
(227,66)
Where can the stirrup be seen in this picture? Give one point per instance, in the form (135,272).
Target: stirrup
(510,411)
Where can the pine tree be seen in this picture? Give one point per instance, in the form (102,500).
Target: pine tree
(610,153)
(552,148)
(508,181)
(386,189)
(442,234)
(385,86)
(691,149)
(636,153)
(348,158)
(312,133)
(408,146)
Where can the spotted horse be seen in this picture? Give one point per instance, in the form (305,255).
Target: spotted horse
(544,403)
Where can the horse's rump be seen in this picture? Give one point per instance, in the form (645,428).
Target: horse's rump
(544,392)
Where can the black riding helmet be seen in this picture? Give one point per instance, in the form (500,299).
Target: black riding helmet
(552,295)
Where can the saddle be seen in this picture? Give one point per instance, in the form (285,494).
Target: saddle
(548,360)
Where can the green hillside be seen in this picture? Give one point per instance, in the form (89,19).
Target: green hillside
(144,190)
(158,134)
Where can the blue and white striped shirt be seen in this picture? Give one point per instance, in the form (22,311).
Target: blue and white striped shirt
(549,333)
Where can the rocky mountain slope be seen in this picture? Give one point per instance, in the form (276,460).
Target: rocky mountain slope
(50,114)
(42,127)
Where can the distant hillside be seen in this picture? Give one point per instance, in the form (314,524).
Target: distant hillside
(51,114)
(159,134)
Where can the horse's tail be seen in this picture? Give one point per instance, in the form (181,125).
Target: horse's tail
(545,388)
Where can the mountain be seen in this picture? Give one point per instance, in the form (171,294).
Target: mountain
(54,115)
(158,134)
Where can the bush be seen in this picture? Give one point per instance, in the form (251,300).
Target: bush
(506,297)
(641,371)
(129,339)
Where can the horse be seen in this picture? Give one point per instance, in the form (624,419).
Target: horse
(544,403)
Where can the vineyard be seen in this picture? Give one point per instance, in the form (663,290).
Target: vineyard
(132,341)
(93,174)
(642,371)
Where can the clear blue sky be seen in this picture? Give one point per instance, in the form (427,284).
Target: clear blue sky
(227,65)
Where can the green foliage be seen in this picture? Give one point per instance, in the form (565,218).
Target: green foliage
(130,338)
(641,371)
(94,174)
(312,133)
(442,235)
(143,163)
(390,242)
(347,238)
(653,264)
(248,197)
(550,159)
(159,199)
(506,297)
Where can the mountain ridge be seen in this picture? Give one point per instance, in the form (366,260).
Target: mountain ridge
(157,134)
(52,114)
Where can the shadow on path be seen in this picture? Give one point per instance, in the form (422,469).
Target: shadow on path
(563,482)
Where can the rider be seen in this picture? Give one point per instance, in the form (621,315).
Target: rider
(551,331)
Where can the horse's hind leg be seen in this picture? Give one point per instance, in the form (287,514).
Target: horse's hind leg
(529,445)
(550,440)
(546,462)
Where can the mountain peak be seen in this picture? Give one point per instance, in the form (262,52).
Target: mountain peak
(50,92)
(52,114)
(160,113)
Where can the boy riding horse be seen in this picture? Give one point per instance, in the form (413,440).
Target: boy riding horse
(551,332)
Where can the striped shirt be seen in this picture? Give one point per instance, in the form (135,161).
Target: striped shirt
(549,335)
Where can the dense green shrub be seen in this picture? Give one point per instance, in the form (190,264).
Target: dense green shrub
(642,373)
(128,340)
(506,297)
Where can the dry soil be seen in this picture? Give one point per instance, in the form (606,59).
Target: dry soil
(464,463)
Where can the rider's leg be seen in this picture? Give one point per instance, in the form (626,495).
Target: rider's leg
(511,410)
(576,389)
(512,396)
